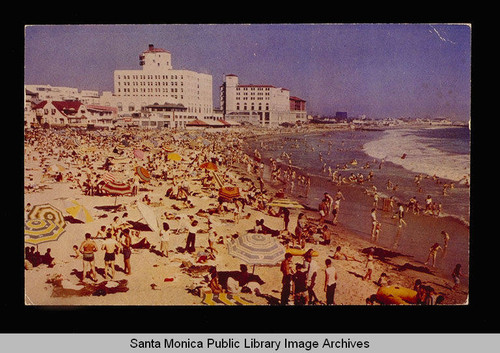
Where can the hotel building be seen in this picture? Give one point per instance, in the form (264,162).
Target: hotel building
(157,83)
(263,105)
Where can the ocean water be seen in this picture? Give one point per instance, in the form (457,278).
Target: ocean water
(442,152)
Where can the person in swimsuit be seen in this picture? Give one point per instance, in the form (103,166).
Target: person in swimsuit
(110,245)
(88,248)
(126,242)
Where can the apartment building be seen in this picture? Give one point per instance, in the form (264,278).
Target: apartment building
(264,105)
(157,82)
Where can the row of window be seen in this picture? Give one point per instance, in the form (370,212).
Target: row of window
(149,83)
(252,107)
(149,90)
(150,77)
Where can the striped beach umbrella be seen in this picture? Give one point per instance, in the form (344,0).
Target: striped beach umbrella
(117,188)
(257,249)
(168,149)
(210,298)
(38,231)
(47,212)
(108,177)
(229,193)
(143,173)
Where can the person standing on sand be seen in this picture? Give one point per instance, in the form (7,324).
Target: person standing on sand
(191,238)
(287,271)
(164,239)
(88,248)
(369,265)
(126,242)
(330,282)
(323,210)
(111,246)
(312,274)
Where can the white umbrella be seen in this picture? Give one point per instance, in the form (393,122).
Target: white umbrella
(149,216)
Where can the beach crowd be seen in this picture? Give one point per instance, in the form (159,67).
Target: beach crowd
(194,193)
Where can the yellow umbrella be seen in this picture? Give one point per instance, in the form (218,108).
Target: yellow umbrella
(174,157)
(79,212)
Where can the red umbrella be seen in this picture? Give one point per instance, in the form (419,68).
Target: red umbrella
(143,173)
(228,193)
(117,188)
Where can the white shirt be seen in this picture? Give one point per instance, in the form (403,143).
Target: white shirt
(330,273)
(313,268)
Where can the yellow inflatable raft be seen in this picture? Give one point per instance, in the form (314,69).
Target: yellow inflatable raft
(396,295)
(300,252)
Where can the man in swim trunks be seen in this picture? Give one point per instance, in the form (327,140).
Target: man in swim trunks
(88,248)
(111,246)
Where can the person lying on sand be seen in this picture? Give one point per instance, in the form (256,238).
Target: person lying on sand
(339,255)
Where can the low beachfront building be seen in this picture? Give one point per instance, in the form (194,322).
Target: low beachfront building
(73,113)
(60,113)
(157,83)
(263,105)
(101,116)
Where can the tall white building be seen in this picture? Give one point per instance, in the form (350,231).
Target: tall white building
(158,83)
(263,105)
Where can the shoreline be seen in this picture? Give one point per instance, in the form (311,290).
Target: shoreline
(149,268)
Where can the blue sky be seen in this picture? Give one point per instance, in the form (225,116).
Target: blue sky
(381,70)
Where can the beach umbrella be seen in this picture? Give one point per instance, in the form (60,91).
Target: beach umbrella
(117,188)
(209,166)
(210,298)
(38,231)
(174,157)
(143,173)
(47,212)
(78,211)
(286,203)
(218,179)
(139,154)
(168,149)
(108,177)
(149,216)
(257,249)
(229,193)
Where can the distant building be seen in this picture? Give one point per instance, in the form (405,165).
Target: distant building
(263,105)
(341,115)
(158,83)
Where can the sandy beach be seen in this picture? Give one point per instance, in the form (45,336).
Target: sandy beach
(182,278)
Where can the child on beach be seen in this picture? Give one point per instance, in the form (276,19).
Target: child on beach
(164,239)
(369,265)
